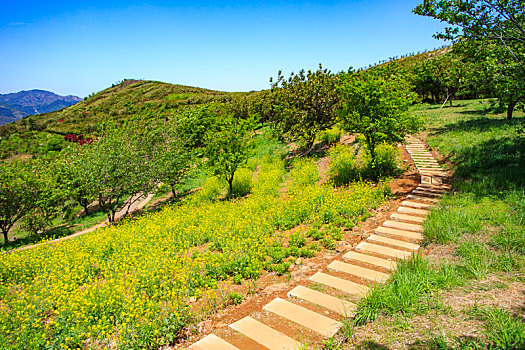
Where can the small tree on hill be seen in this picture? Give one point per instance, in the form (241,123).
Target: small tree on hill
(228,146)
(305,104)
(18,190)
(376,106)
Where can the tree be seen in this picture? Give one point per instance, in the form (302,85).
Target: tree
(228,146)
(17,194)
(375,104)
(118,166)
(495,24)
(304,104)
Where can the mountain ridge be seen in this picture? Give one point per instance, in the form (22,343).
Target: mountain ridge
(16,105)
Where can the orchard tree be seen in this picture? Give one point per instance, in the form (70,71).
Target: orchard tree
(375,104)
(228,145)
(18,190)
(495,30)
(304,104)
(118,166)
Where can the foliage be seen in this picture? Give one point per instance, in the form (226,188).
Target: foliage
(128,285)
(304,172)
(493,33)
(385,163)
(242,182)
(18,189)
(344,165)
(228,146)
(376,106)
(304,104)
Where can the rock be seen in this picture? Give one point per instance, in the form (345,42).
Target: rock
(299,261)
(342,247)
(274,288)
(310,264)
(305,269)
(192,300)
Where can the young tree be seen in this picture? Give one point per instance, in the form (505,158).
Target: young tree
(305,104)
(376,106)
(228,146)
(18,190)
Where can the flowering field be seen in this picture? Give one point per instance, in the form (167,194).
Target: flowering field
(127,286)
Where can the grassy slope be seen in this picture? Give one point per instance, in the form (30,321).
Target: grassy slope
(117,103)
(468,292)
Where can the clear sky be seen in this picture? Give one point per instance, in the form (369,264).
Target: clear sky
(79,47)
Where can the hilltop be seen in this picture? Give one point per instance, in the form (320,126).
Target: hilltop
(17,105)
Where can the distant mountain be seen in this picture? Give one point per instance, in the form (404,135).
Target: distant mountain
(20,104)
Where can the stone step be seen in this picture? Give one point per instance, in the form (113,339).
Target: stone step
(429,164)
(436,191)
(358,271)
(422,198)
(427,193)
(426,156)
(330,302)
(408,210)
(415,205)
(386,251)
(318,323)
(425,170)
(369,259)
(264,335)
(403,226)
(339,283)
(404,217)
(387,231)
(393,242)
(212,342)
(442,187)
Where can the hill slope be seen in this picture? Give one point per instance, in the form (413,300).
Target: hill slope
(20,104)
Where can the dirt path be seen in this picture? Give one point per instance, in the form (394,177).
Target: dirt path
(136,206)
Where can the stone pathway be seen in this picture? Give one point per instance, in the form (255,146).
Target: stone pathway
(316,309)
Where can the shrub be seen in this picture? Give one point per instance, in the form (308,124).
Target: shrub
(304,172)
(297,240)
(344,167)
(211,190)
(330,136)
(385,164)
(242,182)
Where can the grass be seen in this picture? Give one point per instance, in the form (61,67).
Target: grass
(482,222)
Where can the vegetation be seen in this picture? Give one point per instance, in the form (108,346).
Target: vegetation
(131,283)
(481,223)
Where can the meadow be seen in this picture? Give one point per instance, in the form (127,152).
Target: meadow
(130,285)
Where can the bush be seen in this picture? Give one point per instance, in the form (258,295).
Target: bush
(330,136)
(211,190)
(269,177)
(304,172)
(344,167)
(385,164)
(242,182)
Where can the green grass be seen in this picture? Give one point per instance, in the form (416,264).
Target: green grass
(483,219)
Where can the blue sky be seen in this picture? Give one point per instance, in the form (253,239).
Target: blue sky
(79,47)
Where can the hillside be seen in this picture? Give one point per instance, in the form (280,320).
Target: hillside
(33,133)
(20,104)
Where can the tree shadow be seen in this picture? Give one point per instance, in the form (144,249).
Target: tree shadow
(54,232)
(478,124)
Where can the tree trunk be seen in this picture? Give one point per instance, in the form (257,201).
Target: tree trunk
(86,208)
(6,237)
(230,185)
(173,192)
(510,109)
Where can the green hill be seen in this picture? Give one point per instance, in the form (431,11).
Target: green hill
(44,132)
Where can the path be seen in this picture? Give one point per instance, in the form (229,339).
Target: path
(136,206)
(313,312)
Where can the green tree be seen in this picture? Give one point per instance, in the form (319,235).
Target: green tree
(304,104)
(376,106)
(118,166)
(18,190)
(228,145)
(495,32)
